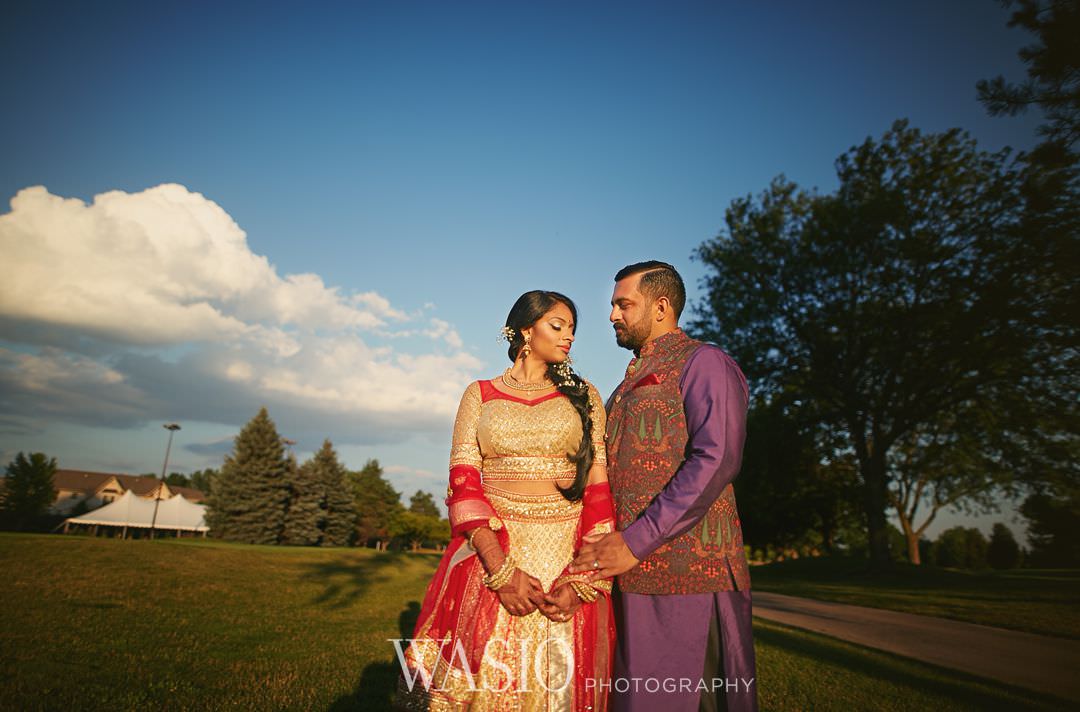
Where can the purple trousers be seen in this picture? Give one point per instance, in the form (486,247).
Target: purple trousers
(664,648)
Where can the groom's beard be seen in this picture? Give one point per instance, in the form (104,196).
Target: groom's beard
(632,336)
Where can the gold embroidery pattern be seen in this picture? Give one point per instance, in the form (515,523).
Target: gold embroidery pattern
(552,467)
(507,428)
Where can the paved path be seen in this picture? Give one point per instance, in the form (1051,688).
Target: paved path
(1036,662)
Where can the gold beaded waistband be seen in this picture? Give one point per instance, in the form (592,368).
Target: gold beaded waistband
(531,507)
(531,467)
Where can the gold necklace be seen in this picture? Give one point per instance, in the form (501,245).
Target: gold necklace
(510,381)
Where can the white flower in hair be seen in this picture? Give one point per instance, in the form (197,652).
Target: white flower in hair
(506,333)
(567,376)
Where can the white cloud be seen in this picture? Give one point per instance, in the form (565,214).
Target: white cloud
(186,321)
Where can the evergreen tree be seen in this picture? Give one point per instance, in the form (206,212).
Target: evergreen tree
(250,494)
(28,488)
(305,516)
(339,512)
(1053,83)
(377,504)
(1003,552)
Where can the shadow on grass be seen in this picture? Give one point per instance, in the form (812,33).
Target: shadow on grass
(968,691)
(378,681)
(347,579)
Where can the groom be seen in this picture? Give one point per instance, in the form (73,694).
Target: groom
(675,435)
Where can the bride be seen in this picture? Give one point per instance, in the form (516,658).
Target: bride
(504,625)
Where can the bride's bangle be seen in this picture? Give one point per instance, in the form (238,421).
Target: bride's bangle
(501,577)
(584,591)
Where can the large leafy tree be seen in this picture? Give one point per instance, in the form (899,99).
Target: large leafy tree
(1053,528)
(28,488)
(961,548)
(200,479)
(423,503)
(416,529)
(790,498)
(1003,551)
(906,310)
(250,495)
(178,479)
(377,505)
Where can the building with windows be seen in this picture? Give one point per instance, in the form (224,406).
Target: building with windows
(95,489)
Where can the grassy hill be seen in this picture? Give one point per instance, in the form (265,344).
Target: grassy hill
(108,624)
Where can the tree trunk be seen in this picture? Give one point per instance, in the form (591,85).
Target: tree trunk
(910,535)
(875,502)
(913,548)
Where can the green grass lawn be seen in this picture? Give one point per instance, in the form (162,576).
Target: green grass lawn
(1032,600)
(107,624)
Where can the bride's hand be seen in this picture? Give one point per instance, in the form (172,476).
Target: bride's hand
(561,604)
(521,594)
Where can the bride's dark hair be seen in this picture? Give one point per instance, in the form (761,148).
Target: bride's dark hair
(528,310)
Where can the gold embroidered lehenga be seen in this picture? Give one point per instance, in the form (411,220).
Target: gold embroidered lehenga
(468,651)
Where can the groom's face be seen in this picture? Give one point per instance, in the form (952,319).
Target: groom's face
(630,311)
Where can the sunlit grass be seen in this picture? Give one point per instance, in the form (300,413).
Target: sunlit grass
(1032,600)
(167,624)
(106,624)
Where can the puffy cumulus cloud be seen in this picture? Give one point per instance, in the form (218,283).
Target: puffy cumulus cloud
(162,266)
(147,305)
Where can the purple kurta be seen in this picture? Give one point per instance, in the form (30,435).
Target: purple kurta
(662,639)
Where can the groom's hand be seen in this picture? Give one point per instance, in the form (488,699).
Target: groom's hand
(604,557)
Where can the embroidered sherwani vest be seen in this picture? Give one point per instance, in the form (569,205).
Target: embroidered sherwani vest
(646,443)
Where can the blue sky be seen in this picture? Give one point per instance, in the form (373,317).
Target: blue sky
(355,193)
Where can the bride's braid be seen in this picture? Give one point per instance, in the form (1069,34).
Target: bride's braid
(576,390)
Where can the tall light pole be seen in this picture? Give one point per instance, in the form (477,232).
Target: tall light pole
(172,428)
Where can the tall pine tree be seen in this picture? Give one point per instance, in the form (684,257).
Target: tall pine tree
(304,518)
(377,504)
(28,488)
(338,509)
(250,495)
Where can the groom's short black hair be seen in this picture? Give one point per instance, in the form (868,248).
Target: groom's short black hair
(660,280)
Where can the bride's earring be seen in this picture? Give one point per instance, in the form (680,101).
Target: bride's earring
(526,349)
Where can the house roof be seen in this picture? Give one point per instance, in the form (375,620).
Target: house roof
(140,485)
(190,493)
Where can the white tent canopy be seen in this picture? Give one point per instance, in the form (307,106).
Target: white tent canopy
(175,513)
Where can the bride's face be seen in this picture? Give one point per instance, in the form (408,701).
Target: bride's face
(553,334)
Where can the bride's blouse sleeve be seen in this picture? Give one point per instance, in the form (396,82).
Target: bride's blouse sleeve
(465,448)
(598,416)
(466,504)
